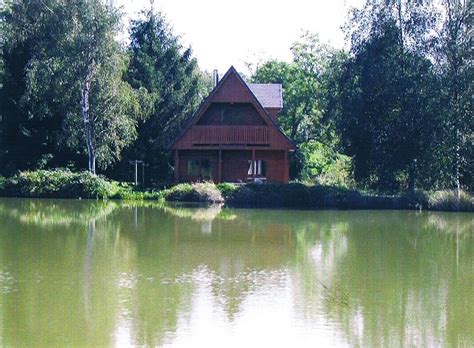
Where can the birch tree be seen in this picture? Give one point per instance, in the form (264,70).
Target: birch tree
(106,127)
(455,59)
(73,70)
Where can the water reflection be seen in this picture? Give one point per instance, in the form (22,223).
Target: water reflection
(104,273)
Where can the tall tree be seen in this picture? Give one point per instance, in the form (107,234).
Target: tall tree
(304,83)
(107,105)
(455,59)
(388,94)
(308,92)
(71,70)
(171,87)
(29,135)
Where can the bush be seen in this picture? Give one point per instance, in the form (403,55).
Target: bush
(297,195)
(322,164)
(199,192)
(58,184)
(448,200)
(2,183)
(294,195)
(227,189)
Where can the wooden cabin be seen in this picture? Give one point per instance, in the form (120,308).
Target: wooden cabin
(234,135)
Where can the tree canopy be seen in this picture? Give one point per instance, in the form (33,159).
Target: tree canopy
(171,87)
(55,51)
(393,112)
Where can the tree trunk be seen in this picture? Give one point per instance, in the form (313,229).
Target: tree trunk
(457,160)
(412,177)
(88,123)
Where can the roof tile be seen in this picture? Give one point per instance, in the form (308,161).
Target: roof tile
(269,95)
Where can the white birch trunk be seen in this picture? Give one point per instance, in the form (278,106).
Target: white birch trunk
(88,124)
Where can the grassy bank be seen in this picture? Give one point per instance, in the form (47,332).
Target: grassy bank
(296,195)
(66,184)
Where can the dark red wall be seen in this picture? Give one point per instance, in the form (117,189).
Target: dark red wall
(274,113)
(235,164)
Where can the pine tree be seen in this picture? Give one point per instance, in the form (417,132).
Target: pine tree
(171,87)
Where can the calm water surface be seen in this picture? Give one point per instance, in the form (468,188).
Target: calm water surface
(89,273)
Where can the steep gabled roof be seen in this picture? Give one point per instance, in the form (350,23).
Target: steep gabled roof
(268,94)
(258,104)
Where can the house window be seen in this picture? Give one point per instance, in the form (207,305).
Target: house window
(200,168)
(258,167)
(193,167)
(205,169)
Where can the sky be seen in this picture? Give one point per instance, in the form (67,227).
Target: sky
(224,33)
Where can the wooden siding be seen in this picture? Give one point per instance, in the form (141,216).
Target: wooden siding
(226,114)
(234,164)
(233,90)
(222,136)
(274,113)
(229,135)
(227,145)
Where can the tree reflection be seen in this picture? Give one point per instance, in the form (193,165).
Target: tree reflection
(393,284)
(105,273)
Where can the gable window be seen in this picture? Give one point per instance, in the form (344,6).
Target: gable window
(231,114)
(200,168)
(258,167)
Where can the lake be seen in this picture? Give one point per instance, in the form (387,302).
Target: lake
(88,273)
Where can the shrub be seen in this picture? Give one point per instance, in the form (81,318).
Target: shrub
(243,196)
(227,189)
(448,200)
(324,165)
(199,192)
(59,184)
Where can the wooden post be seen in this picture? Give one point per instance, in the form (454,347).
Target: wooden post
(176,165)
(287,169)
(136,172)
(220,166)
(253,165)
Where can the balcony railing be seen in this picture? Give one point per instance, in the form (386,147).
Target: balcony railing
(230,135)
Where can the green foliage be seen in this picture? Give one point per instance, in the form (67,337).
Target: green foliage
(450,200)
(393,113)
(389,98)
(294,195)
(67,184)
(324,165)
(2,183)
(59,184)
(304,83)
(27,132)
(52,50)
(63,183)
(198,192)
(297,195)
(171,87)
(308,92)
(227,189)
(454,54)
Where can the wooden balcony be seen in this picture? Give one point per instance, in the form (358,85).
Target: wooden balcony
(230,135)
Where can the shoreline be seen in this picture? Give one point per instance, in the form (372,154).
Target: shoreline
(395,206)
(294,195)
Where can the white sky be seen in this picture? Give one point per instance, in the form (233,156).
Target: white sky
(224,33)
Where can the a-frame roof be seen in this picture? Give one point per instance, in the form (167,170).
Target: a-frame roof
(255,101)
